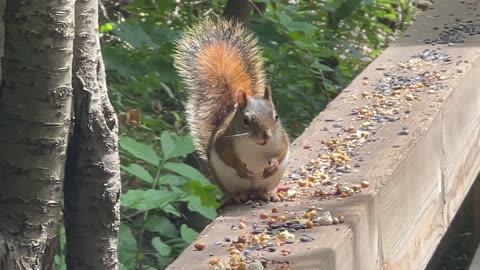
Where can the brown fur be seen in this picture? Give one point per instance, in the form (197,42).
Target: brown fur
(222,66)
(215,59)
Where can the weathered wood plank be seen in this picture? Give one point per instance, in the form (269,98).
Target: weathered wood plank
(462,136)
(417,181)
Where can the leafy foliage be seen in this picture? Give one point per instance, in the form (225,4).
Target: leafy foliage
(155,208)
(311,49)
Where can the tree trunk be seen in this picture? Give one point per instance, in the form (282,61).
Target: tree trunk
(35,120)
(92,184)
(35,116)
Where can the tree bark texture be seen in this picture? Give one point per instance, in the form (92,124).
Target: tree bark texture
(35,117)
(92,185)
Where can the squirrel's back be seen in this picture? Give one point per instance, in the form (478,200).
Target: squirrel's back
(215,59)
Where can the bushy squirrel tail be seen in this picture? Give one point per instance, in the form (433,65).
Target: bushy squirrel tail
(215,59)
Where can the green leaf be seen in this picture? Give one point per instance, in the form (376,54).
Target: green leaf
(188,234)
(127,247)
(187,171)
(132,32)
(124,267)
(162,225)
(107,27)
(172,210)
(139,150)
(208,194)
(148,199)
(139,172)
(160,35)
(295,26)
(345,10)
(267,32)
(118,60)
(181,246)
(321,67)
(174,241)
(284,19)
(168,144)
(304,27)
(60,262)
(175,146)
(163,262)
(194,204)
(172,180)
(162,248)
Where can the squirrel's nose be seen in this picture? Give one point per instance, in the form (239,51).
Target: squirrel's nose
(265,137)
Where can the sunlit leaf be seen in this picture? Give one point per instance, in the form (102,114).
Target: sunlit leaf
(162,225)
(171,179)
(187,171)
(176,146)
(127,247)
(188,234)
(162,248)
(139,150)
(195,205)
(139,172)
(148,199)
(107,27)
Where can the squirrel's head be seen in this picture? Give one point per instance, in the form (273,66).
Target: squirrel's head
(256,116)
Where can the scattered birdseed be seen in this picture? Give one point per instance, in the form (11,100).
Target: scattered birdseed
(325,219)
(305,239)
(365,184)
(199,246)
(432,55)
(456,33)
(390,100)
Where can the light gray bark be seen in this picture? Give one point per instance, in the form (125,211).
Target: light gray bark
(92,185)
(41,63)
(35,116)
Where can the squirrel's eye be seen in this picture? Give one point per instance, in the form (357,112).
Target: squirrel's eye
(246,121)
(276,117)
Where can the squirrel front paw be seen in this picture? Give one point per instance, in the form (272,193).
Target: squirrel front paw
(271,169)
(267,196)
(244,172)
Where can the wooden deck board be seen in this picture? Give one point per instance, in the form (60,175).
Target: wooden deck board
(417,181)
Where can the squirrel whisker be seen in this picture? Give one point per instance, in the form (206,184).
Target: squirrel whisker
(237,135)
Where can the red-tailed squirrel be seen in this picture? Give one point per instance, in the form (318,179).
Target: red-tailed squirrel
(230,111)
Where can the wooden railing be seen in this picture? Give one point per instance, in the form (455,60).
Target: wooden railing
(411,121)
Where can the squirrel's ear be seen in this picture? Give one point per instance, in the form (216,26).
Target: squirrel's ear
(268,93)
(241,98)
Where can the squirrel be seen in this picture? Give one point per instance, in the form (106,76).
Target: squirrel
(230,112)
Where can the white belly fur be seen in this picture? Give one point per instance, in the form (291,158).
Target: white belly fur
(256,157)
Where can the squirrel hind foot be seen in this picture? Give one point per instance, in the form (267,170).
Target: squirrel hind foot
(238,198)
(265,196)
(242,198)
